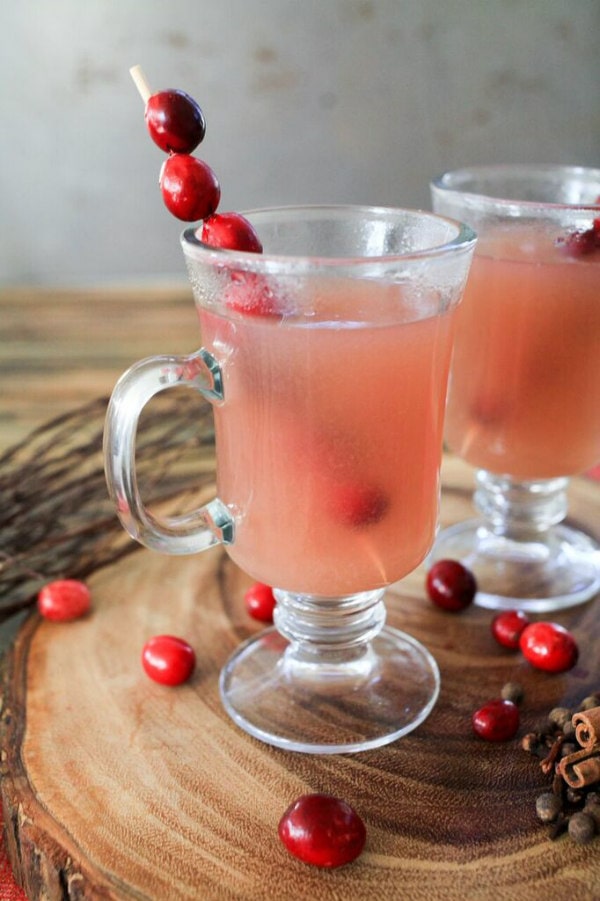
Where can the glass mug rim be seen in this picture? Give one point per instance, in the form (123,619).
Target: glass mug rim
(461,240)
(462,183)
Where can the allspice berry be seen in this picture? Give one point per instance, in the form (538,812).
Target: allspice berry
(567,748)
(582,827)
(590,702)
(513,691)
(530,741)
(568,729)
(592,809)
(559,716)
(548,806)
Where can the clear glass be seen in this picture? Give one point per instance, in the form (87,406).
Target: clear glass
(524,396)
(326,360)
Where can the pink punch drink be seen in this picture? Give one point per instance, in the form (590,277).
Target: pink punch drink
(525,395)
(330,445)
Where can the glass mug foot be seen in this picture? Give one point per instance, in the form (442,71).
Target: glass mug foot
(552,571)
(328,698)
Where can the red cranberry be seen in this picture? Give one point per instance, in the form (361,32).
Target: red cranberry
(549,647)
(508,626)
(231,231)
(497,720)
(260,602)
(355,505)
(581,243)
(189,186)
(488,410)
(175,121)
(322,830)
(64,600)
(168,660)
(450,585)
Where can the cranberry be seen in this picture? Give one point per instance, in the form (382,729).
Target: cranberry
(231,231)
(63,600)
(260,602)
(450,585)
(498,720)
(189,186)
(508,626)
(175,121)
(549,647)
(322,830)
(581,243)
(488,410)
(355,505)
(168,660)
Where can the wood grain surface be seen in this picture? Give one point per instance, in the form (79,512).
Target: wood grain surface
(115,787)
(62,347)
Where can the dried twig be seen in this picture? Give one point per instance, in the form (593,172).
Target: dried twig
(56,519)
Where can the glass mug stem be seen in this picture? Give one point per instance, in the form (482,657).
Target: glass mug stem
(521,552)
(190,532)
(520,509)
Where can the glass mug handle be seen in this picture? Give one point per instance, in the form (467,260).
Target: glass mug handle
(190,532)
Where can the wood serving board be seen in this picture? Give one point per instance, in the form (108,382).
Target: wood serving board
(116,787)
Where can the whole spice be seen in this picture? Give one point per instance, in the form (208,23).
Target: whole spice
(559,716)
(581,827)
(569,748)
(512,691)
(548,806)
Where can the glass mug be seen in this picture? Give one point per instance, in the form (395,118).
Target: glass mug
(524,400)
(326,361)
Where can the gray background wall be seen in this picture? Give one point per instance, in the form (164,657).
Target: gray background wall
(306,101)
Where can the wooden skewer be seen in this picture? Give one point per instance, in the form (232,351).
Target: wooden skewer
(141,82)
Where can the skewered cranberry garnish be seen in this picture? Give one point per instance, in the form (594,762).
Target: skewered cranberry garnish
(231,231)
(450,585)
(168,659)
(191,190)
(581,243)
(498,720)
(189,187)
(508,626)
(64,600)
(322,830)
(549,647)
(175,121)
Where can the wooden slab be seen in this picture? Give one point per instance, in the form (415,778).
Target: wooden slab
(115,787)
